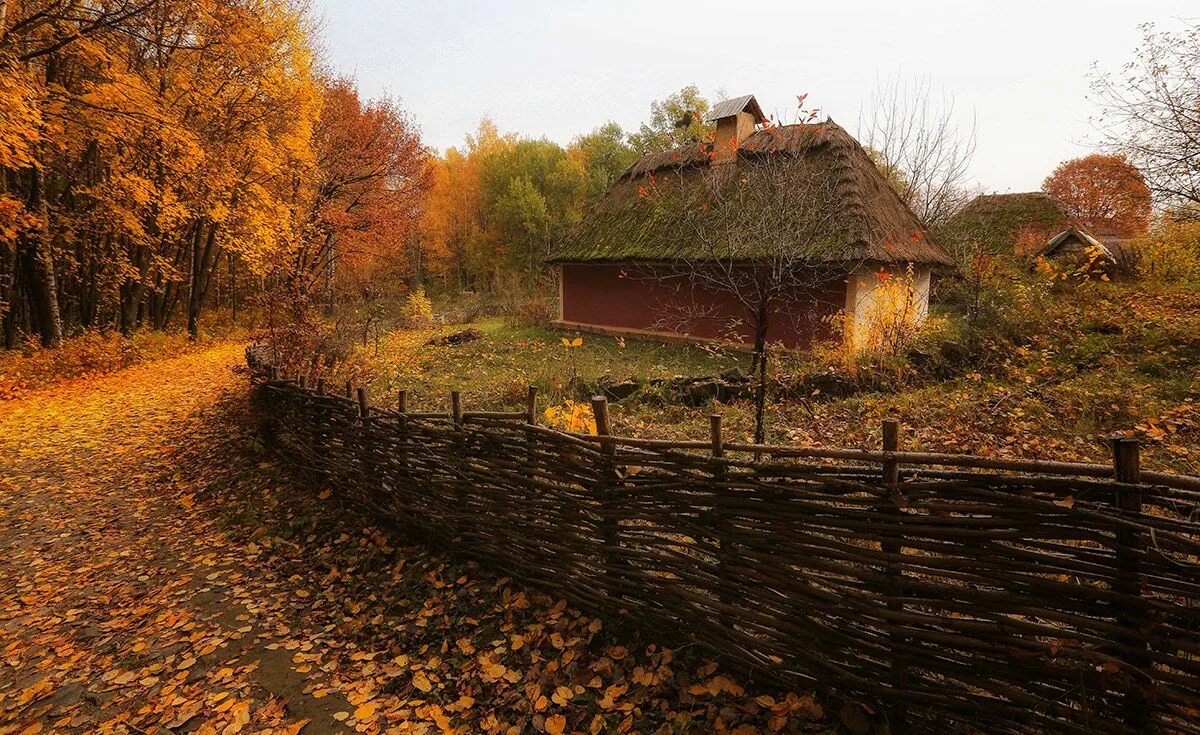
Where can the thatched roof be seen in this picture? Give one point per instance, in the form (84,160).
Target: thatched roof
(999,221)
(873,225)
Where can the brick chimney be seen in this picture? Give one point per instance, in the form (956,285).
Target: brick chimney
(735,119)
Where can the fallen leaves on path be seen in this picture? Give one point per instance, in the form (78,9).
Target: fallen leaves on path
(168,577)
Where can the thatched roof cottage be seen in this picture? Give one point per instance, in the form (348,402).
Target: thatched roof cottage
(804,198)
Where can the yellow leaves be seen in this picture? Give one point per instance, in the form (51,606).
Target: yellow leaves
(20,116)
(241,717)
(556,724)
(367,710)
(572,343)
(572,416)
(294,728)
(715,686)
(612,694)
(492,670)
(562,695)
(421,681)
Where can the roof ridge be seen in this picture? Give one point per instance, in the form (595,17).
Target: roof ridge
(847,186)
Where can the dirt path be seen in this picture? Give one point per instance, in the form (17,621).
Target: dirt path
(121,610)
(161,574)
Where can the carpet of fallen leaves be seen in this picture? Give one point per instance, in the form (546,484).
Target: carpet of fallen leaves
(163,575)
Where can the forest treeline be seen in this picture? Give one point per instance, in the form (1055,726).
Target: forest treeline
(160,156)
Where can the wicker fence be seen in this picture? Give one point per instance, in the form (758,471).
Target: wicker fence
(1004,595)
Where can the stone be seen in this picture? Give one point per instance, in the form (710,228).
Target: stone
(954,353)
(620,391)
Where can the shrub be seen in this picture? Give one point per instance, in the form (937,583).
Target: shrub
(1171,255)
(90,353)
(1090,264)
(572,416)
(418,310)
(534,310)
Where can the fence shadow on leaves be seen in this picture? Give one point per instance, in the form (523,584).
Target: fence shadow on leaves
(1006,595)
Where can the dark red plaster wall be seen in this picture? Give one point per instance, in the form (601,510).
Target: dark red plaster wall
(635,297)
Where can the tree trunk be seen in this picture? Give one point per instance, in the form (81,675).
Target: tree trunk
(760,364)
(233,294)
(202,266)
(44,291)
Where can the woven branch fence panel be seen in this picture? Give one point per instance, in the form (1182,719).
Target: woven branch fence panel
(1003,595)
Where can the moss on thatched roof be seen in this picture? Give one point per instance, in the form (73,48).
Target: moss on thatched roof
(999,221)
(659,211)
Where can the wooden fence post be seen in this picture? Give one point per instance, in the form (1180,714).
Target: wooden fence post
(349,390)
(460,447)
(894,547)
(402,477)
(1127,470)
(724,522)
(531,415)
(609,525)
(321,434)
(303,382)
(368,452)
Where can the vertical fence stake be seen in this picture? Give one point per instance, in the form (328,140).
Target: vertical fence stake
(273,373)
(363,408)
(724,522)
(303,381)
(460,486)
(349,390)
(403,479)
(322,435)
(531,405)
(892,548)
(609,526)
(1127,470)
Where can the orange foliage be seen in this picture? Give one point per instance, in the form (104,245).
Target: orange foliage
(372,177)
(1102,192)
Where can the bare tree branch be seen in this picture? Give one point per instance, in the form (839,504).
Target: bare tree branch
(917,141)
(1150,112)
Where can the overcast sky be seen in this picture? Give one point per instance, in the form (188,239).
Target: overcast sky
(558,69)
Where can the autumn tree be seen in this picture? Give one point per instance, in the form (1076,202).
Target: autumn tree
(1102,192)
(497,205)
(455,243)
(674,121)
(371,177)
(45,45)
(605,155)
(1149,113)
(148,147)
